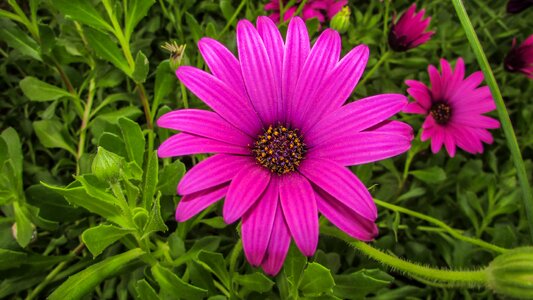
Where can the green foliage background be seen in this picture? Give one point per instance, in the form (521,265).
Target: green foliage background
(82,82)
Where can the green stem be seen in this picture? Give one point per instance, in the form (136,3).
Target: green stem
(232,19)
(184,96)
(458,278)
(442,225)
(502,111)
(146,106)
(84,122)
(381,60)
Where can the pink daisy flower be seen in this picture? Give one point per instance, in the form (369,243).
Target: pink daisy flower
(520,59)
(454,107)
(323,10)
(282,138)
(410,30)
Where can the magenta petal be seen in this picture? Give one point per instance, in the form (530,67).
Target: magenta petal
(300,211)
(355,117)
(222,64)
(244,190)
(204,123)
(278,245)
(191,204)
(212,171)
(296,52)
(231,106)
(257,72)
(340,183)
(344,218)
(187,144)
(257,224)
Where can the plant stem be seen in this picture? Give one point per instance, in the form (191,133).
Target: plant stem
(458,278)
(146,106)
(381,60)
(507,126)
(442,225)
(232,19)
(84,122)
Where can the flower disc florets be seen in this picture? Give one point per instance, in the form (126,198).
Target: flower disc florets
(441,112)
(279,149)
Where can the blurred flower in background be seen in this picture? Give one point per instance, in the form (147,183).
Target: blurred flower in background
(516,6)
(323,10)
(520,58)
(410,30)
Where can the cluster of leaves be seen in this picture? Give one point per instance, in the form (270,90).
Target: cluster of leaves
(87,208)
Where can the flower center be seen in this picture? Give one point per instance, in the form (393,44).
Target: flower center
(279,149)
(441,112)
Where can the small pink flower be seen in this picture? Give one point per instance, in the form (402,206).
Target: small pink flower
(409,31)
(282,138)
(516,6)
(323,10)
(454,107)
(520,59)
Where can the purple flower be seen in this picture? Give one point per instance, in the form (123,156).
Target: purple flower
(409,31)
(520,59)
(454,108)
(323,10)
(282,138)
(516,6)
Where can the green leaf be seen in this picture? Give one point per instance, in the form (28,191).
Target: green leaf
(133,139)
(430,175)
(52,205)
(52,135)
(150,179)
(11,259)
(227,9)
(155,221)
(24,226)
(145,291)
(316,280)
(37,90)
(164,83)
(194,27)
(294,265)
(256,282)
(82,11)
(85,281)
(169,177)
(215,263)
(98,238)
(174,287)
(19,40)
(14,149)
(136,11)
(107,49)
(358,284)
(142,66)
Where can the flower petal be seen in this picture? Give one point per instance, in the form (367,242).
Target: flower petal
(278,245)
(340,183)
(231,106)
(212,171)
(257,224)
(300,211)
(187,144)
(191,204)
(244,190)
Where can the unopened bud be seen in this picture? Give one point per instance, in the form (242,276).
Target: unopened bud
(107,165)
(511,274)
(341,21)
(176,53)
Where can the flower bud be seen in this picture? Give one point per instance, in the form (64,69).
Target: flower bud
(511,274)
(107,165)
(341,21)
(176,53)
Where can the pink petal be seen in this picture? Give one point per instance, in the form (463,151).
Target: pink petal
(204,123)
(212,171)
(187,144)
(257,72)
(340,183)
(257,224)
(227,103)
(420,93)
(296,52)
(467,140)
(435,79)
(437,138)
(472,81)
(191,204)
(300,211)
(449,143)
(414,108)
(478,121)
(344,218)
(354,117)
(278,245)
(244,190)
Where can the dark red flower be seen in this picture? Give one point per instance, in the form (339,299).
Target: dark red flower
(410,30)
(516,6)
(520,58)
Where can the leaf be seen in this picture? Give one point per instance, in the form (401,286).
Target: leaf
(14,149)
(52,135)
(150,179)
(98,238)
(227,9)
(256,282)
(24,226)
(316,280)
(358,284)
(136,11)
(19,40)
(145,291)
(37,90)
(294,265)
(82,11)
(209,243)
(430,175)
(142,66)
(164,83)
(169,177)
(175,287)
(85,281)
(215,263)
(194,27)
(11,259)
(155,221)
(107,49)
(133,139)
